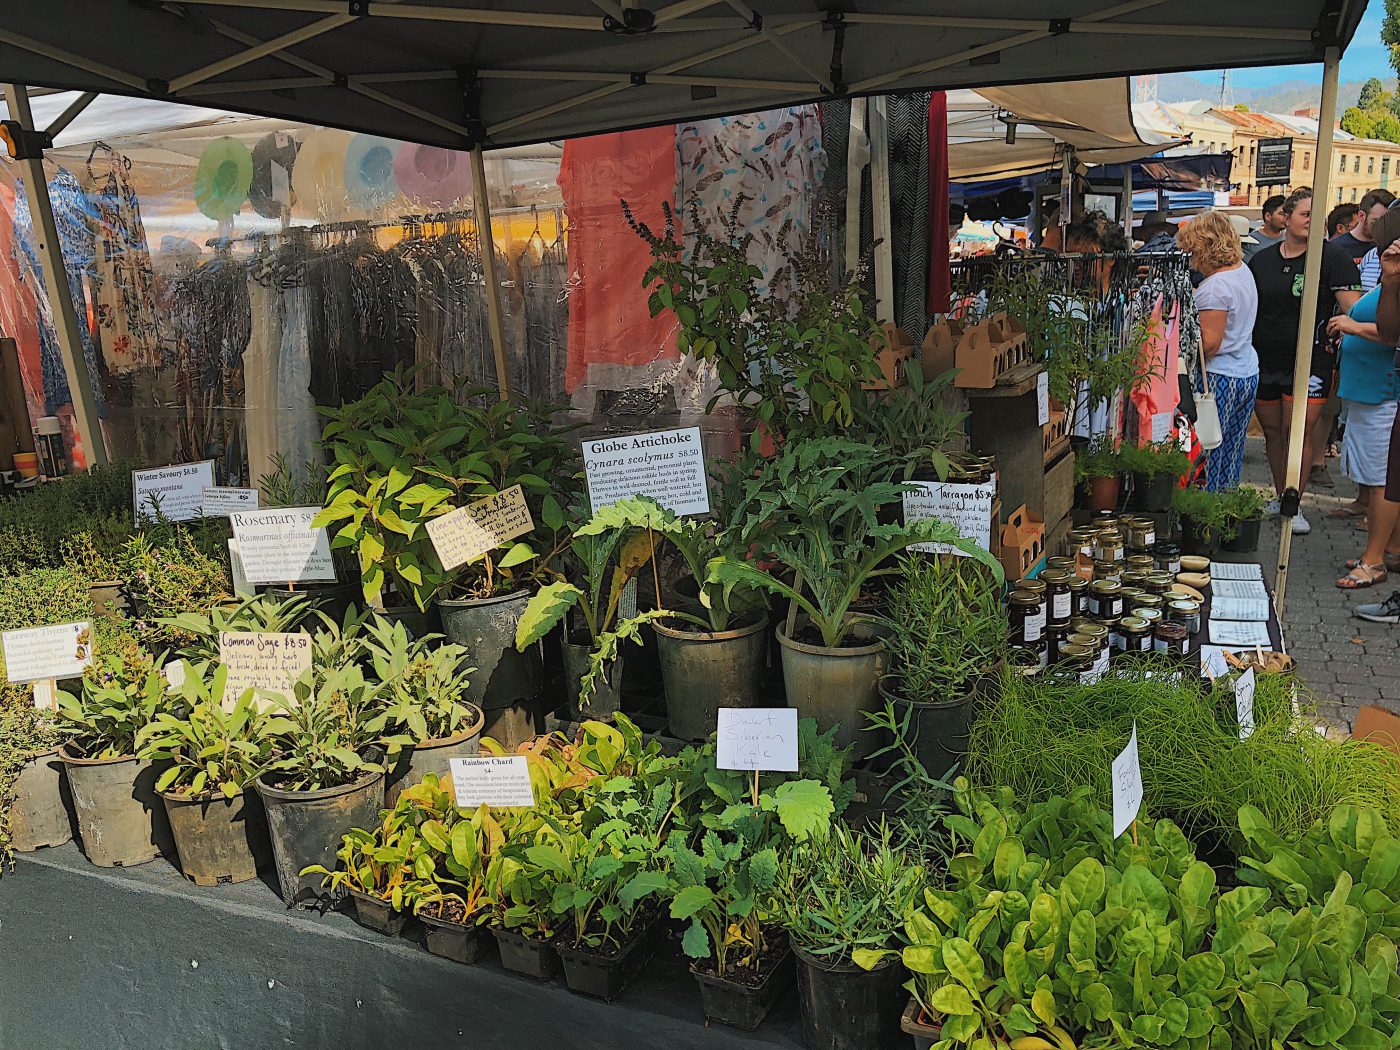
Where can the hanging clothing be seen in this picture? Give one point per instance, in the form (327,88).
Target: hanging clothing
(610,322)
(940,280)
(907,116)
(19,312)
(124,279)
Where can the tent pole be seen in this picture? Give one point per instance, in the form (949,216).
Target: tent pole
(1307,319)
(70,343)
(1128,201)
(880,210)
(487,245)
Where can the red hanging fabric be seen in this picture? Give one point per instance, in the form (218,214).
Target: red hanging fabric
(940,278)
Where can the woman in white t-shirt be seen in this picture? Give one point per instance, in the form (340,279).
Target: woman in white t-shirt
(1227,301)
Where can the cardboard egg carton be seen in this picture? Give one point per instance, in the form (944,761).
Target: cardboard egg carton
(1022,542)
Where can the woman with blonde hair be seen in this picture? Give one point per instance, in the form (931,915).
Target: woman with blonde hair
(1227,301)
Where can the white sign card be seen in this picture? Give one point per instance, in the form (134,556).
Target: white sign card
(1127,786)
(465,534)
(757,739)
(1253,609)
(1244,703)
(1042,397)
(1235,570)
(266,661)
(241,586)
(1239,634)
(221,501)
(968,507)
(1161,426)
(1220,588)
(174,673)
(496,780)
(1213,662)
(59,650)
(280,546)
(667,465)
(177,490)
(46,695)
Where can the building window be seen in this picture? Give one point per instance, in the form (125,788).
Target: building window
(1339,196)
(1356,165)
(1385,166)
(1343,166)
(1370,165)
(1307,161)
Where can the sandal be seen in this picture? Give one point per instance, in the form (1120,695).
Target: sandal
(1347,511)
(1392,561)
(1363,576)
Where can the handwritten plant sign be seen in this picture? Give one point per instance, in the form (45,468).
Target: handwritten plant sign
(667,465)
(1127,786)
(280,546)
(968,507)
(757,739)
(467,533)
(177,491)
(268,662)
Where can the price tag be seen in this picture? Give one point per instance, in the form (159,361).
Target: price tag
(495,781)
(757,738)
(668,466)
(1244,703)
(1127,786)
(221,501)
(465,534)
(1042,397)
(55,651)
(1213,662)
(280,546)
(265,661)
(174,675)
(1161,426)
(177,490)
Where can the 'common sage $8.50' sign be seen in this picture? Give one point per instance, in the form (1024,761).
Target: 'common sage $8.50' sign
(667,465)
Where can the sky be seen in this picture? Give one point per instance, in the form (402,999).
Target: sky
(1366,57)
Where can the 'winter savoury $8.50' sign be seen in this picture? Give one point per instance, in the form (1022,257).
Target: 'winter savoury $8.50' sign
(668,466)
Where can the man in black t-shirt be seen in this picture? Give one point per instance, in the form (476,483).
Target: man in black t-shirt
(1278,275)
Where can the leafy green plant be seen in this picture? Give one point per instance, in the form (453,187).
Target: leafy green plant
(1097,459)
(796,359)
(823,504)
(83,517)
(461,844)
(915,422)
(1244,502)
(1209,512)
(120,694)
(196,633)
(518,891)
(422,684)
(325,732)
(945,627)
(920,800)
(1153,458)
(210,750)
(390,863)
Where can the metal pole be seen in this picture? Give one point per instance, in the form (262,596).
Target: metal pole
(1128,202)
(1307,319)
(487,245)
(70,343)
(1066,190)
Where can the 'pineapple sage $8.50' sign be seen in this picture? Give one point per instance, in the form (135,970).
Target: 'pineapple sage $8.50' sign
(667,465)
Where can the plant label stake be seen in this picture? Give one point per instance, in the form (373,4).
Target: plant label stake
(1213,663)
(756,738)
(46,695)
(492,780)
(1127,788)
(1244,703)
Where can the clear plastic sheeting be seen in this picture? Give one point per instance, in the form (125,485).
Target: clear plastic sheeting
(232,276)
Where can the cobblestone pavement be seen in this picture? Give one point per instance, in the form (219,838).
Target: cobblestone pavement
(1343,661)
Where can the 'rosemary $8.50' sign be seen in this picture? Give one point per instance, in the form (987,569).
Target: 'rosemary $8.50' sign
(667,465)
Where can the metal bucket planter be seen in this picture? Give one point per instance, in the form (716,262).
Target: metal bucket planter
(120,817)
(607,691)
(40,814)
(506,685)
(705,671)
(219,840)
(432,756)
(847,1008)
(306,828)
(835,685)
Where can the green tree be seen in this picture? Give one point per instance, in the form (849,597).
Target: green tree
(1390,32)
(1240,107)
(1358,122)
(1387,127)
(1373,95)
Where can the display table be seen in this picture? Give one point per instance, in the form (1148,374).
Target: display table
(139,958)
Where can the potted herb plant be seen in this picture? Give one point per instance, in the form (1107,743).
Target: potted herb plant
(1099,473)
(1205,519)
(212,756)
(843,902)
(945,632)
(120,815)
(519,896)
(34,804)
(1156,467)
(1245,506)
(421,718)
(824,504)
(319,784)
(289,486)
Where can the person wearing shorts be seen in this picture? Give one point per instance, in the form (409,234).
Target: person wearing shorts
(1278,277)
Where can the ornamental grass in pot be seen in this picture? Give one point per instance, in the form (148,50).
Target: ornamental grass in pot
(213,752)
(823,502)
(1245,506)
(421,718)
(946,633)
(121,818)
(1156,467)
(1205,520)
(843,901)
(320,785)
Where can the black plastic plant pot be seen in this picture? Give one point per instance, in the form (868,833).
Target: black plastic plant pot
(742,1005)
(531,957)
(506,684)
(606,976)
(378,915)
(1246,540)
(306,828)
(938,730)
(917,1024)
(220,840)
(417,622)
(847,1008)
(1152,494)
(454,940)
(333,599)
(1195,540)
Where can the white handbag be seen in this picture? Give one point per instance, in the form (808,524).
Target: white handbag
(1208,431)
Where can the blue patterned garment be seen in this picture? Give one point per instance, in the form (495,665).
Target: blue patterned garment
(1234,399)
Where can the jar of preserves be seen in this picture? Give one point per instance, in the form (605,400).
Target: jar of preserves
(1108,570)
(1160,582)
(1075,659)
(1152,616)
(1143,563)
(1167,556)
(1027,614)
(1187,612)
(1059,606)
(1134,635)
(1105,600)
(1108,546)
(1027,660)
(1168,637)
(1078,595)
(1056,635)
(1150,601)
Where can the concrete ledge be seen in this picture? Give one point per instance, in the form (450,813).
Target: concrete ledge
(141,959)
